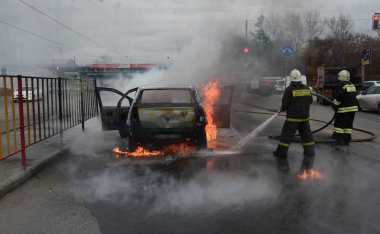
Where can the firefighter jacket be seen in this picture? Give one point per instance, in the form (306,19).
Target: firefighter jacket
(296,101)
(345,97)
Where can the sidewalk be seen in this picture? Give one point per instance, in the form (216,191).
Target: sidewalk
(12,174)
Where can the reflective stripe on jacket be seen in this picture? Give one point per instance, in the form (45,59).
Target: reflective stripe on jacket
(345,97)
(296,101)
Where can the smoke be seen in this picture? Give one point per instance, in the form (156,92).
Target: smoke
(144,32)
(140,184)
(195,64)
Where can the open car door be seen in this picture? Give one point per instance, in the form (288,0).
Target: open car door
(114,117)
(222,108)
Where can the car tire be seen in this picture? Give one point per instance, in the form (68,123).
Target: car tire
(378,108)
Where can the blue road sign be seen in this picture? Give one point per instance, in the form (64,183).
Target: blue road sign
(287,50)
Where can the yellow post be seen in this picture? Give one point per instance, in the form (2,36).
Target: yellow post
(13,117)
(6,115)
(27,108)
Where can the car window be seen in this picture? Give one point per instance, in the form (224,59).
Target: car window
(166,96)
(377,90)
(371,90)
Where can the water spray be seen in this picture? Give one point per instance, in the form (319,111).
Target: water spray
(255,132)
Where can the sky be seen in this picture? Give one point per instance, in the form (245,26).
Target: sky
(144,31)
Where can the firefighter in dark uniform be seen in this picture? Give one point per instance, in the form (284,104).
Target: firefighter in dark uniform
(346,105)
(296,101)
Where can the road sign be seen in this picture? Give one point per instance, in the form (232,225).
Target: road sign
(366,56)
(287,50)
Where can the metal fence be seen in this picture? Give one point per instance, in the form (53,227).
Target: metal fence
(36,108)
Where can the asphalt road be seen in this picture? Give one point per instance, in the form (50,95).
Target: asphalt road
(220,191)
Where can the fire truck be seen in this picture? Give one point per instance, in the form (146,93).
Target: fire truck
(327,80)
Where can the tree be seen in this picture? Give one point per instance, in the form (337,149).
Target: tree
(339,27)
(313,24)
(261,41)
(295,32)
(274,28)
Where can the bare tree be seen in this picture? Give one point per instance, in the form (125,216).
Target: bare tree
(273,26)
(314,25)
(340,27)
(294,31)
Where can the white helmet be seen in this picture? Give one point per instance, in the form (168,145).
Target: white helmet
(344,75)
(295,75)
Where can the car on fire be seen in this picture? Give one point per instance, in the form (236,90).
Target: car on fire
(156,116)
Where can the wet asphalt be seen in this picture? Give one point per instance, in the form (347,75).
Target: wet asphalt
(229,192)
(224,191)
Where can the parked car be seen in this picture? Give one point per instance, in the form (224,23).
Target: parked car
(370,99)
(28,94)
(157,116)
(369,83)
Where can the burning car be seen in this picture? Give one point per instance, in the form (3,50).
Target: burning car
(157,116)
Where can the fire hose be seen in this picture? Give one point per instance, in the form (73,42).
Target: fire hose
(371,136)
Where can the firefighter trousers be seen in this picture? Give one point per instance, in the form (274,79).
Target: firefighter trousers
(288,131)
(343,127)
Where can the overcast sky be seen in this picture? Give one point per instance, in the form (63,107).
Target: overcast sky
(144,31)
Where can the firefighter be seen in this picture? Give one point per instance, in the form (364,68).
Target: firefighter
(346,105)
(296,101)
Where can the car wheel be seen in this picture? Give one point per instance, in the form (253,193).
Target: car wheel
(132,144)
(378,108)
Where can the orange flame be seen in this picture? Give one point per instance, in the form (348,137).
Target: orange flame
(182,149)
(211,94)
(310,175)
(139,152)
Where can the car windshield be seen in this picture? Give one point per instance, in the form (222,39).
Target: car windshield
(166,96)
(371,90)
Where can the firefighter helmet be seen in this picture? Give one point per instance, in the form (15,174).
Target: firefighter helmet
(295,75)
(344,75)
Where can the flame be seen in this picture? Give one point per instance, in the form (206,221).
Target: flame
(310,175)
(139,152)
(211,94)
(182,149)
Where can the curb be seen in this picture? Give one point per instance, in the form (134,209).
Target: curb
(28,173)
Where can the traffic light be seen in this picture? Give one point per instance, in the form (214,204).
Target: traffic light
(246,50)
(375,21)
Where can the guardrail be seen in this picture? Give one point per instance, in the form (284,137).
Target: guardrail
(36,108)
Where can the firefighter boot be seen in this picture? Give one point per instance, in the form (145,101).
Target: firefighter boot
(282,164)
(307,163)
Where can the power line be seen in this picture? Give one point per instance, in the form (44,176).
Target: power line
(69,28)
(41,37)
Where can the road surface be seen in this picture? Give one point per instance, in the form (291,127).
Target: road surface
(221,191)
